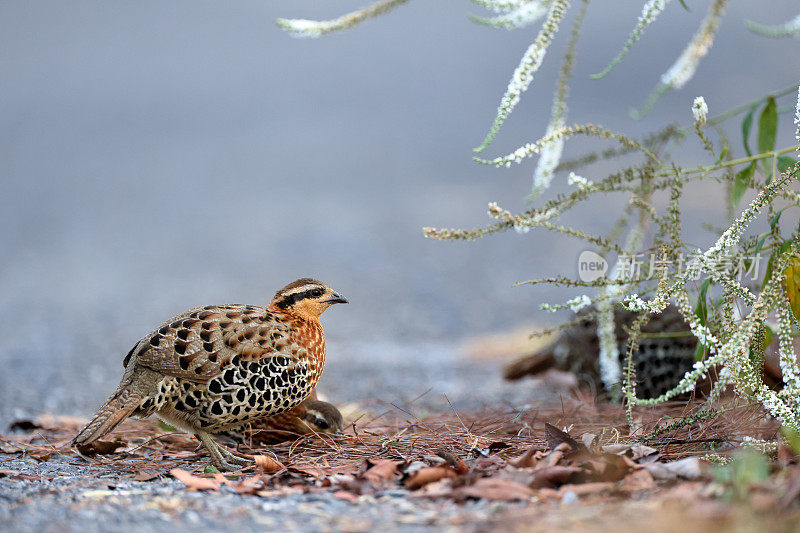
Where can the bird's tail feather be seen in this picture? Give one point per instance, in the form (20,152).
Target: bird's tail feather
(120,406)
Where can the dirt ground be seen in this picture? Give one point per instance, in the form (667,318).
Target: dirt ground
(567,466)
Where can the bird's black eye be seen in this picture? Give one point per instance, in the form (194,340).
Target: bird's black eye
(316,293)
(321,423)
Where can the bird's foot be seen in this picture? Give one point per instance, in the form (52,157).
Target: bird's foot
(223,459)
(235,458)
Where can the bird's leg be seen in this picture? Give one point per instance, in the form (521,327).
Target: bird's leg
(220,457)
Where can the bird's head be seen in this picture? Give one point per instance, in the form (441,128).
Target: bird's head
(307,297)
(323,417)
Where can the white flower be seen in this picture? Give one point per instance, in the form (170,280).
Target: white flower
(550,157)
(578,303)
(520,228)
(700,110)
(634,303)
(579,181)
(797,119)
(685,66)
(521,16)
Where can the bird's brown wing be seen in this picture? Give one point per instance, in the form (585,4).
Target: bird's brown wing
(197,344)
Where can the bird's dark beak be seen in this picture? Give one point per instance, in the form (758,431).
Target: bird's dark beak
(336,299)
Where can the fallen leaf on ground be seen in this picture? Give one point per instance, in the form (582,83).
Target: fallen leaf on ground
(101,447)
(145,476)
(585,489)
(5,473)
(554,436)
(249,485)
(346,496)
(606,467)
(267,464)
(456,462)
(687,468)
(498,445)
(42,456)
(637,480)
(23,425)
(496,489)
(381,470)
(528,459)
(194,482)
(423,476)
(552,476)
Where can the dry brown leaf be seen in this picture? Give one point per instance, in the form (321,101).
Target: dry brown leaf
(267,464)
(145,475)
(194,482)
(42,455)
(23,425)
(490,488)
(584,489)
(555,436)
(346,496)
(686,468)
(381,470)
(456,462)
(606,467)
(423,476)
(637,480)
(552,476)
(555,456)
(528,459)
(101,447)
(249,485)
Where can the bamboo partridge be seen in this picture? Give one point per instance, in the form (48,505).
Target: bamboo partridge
(665,352)
(310,417)
(217,367)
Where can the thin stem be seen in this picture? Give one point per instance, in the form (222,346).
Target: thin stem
(739,161)
(744,107)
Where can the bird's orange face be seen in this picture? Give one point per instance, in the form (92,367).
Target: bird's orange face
(307,297)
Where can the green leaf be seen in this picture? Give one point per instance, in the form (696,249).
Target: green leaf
(774,221)
(683,3)
(741,183)
(701,311)
(722,155)
(760,242)
(776,253)
(767,128)
(768,336)
(747,124)
(792,438)
(211,469)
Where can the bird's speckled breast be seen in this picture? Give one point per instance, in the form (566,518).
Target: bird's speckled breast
(248,387)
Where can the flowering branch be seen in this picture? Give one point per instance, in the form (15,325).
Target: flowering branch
(317,28)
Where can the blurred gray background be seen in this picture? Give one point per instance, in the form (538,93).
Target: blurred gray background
(158,155)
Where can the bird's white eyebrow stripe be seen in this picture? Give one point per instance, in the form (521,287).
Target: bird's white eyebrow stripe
(304,288)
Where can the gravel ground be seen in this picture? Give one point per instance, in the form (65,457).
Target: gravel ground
(61,496)
(65,499)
